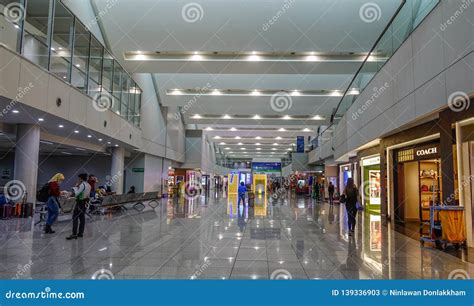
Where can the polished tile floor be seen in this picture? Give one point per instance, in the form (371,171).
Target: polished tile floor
(210,238)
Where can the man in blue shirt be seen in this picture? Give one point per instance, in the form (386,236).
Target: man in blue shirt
(242,191)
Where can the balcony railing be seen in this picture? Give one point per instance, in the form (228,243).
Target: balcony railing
(410,14)
(49,35)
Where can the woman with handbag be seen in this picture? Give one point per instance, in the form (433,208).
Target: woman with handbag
(53,203)
(351,195)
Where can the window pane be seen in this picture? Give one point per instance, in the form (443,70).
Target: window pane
(125,95)
(35,44)
(117,86)
(10,23)
(81,56)
(62,42)
(95,67)
(107,71)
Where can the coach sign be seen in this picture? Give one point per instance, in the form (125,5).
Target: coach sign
(418,153)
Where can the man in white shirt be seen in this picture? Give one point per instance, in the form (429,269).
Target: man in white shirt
(82,193)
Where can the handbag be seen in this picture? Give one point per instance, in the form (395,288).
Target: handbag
(359,206)
(342,199)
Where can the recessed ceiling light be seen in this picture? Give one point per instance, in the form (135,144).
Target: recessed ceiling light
(237,137)
(306,130)
(256,93)
(196,52)
(60,126)
(256,117)
(116,145)
(289,149)
(278,138)
(317,117)
(240,144)
(40,119)
(76,131)
(275,144)
(108,142)
(258,149)
(254,58)
(222,143)
(216,92)
(89,136)
(281,130)
(209,128)
(233,129)
(226,117)
(258,137)
(100,139)
(273,149)
(227,148)
(78,65)
(15,111)
(176,92)
(286,117)
(196,116)
(217,137)
(295,93)
(257,144)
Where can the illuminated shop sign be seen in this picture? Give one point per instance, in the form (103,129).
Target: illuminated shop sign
(371,161)
(418,153)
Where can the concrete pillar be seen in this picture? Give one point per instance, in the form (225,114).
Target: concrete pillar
(117,169)
(26,159)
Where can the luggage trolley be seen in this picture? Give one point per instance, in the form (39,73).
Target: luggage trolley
(452,231)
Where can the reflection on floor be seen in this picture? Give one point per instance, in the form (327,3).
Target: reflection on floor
(213,238)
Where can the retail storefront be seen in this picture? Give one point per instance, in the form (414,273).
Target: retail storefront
(417,182)
(345,172)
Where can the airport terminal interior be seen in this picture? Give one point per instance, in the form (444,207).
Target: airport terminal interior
(236,139)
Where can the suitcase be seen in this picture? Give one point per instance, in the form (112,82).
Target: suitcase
(6,211)
(26,210)
(17,210)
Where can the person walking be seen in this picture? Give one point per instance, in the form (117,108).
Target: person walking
(316,191)
(53,203)
(242,191)
(331,193)
(351,194)
(81,191)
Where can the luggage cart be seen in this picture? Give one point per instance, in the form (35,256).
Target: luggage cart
(436,227)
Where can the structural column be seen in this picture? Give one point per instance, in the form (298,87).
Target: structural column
(117,169)
(26,160)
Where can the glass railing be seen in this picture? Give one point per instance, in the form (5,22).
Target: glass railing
(408,17)
(49,35)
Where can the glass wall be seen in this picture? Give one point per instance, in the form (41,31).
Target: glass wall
(11,22)
(61,44)
(408,18)
(49,35)
(36,30)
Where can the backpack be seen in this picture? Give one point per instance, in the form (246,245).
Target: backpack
(43,193)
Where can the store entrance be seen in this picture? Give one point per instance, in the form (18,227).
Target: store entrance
(418,187)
